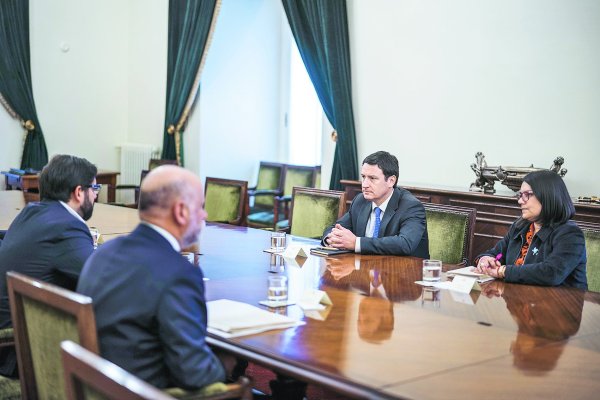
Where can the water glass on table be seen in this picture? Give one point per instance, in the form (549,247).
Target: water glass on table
(278,288)
(95,235)
(277,241)
(432,270)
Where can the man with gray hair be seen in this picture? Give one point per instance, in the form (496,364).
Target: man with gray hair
(149,301)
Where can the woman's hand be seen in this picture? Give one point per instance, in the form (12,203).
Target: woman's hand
(485,263)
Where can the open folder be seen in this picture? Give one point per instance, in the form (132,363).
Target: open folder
(228,318)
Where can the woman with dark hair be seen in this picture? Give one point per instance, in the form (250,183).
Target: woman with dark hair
(543,247)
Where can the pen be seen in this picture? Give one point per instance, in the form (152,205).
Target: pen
(499,257)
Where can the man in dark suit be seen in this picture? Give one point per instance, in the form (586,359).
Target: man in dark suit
(149,300)
(49,240)
(383,219)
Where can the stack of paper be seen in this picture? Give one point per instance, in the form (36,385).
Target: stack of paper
(470,271)
(228,318)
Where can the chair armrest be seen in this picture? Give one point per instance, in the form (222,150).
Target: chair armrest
(241,389)
(264,192)
(118,187)
(7,337)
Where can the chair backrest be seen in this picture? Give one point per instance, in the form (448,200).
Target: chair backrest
(317,177)
(313,210)
(90,377)
(450,230)
(270,177)
(298,175)
(351,188)
(43,315)
(157,162)
(591,232)
(226,200)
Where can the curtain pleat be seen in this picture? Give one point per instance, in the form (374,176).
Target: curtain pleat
(15,79)
(320,28)
(191,23)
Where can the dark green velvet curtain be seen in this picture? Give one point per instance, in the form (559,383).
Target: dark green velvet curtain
(190,25)
(15,79)
(320,28)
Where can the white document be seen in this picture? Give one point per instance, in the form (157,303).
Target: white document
(470,271)
(228,318)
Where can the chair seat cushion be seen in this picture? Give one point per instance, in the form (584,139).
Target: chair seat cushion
(282,225)
(10,389)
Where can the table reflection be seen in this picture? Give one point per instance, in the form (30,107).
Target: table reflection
(545,323)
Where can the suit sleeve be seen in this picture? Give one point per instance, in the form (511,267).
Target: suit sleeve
(345,221)
(568,245)
(73,249)
(182,317)
(412,226)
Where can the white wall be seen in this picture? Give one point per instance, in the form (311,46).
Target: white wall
(239,100)
(107,89)
(433,82)
(82,94)
(436,81)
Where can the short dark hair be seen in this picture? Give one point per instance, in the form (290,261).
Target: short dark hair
(63,174)
(387,162)
(551,191)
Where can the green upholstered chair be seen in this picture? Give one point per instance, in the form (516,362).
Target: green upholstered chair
(591,232)
(10,389)
(88,376)
(313,210)
(7,337)
(294,175)
(268,185)
(44,315)
(450,230)
(226,200)
(91,377)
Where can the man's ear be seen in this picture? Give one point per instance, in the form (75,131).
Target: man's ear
(78,194)
(181,213)
(392,180)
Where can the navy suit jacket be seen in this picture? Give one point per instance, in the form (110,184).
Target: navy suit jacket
(44,242)
(150,310)
(403,229)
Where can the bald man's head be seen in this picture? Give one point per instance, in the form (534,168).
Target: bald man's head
(171,197)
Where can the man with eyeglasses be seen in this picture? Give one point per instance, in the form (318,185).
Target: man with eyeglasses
(49,240)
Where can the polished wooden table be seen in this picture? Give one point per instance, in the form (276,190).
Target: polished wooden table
(30,184)
(110,220)
(406,341)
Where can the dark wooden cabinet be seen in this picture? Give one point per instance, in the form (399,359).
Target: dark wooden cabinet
(495,213)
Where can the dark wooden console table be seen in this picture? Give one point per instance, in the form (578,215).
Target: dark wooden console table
(495,212)
(29,184)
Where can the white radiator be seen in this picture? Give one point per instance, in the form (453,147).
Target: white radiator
(134,158)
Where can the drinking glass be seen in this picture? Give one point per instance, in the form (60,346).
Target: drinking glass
(277,241)
(432,270)
(95,235)
(278,288)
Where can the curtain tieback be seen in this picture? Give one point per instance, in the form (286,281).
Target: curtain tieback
(29,125)
(171,129)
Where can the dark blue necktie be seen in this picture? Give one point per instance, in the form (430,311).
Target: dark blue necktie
(377,222)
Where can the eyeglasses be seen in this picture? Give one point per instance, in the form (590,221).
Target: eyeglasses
(95,187)
(524,195)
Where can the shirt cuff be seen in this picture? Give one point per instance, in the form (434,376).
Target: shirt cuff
(357,245)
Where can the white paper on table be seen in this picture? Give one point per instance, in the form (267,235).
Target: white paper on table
(470,271)
(228,318)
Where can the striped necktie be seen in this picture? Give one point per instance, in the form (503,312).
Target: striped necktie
(377,222)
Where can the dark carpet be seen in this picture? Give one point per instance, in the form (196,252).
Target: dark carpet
(262,376)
